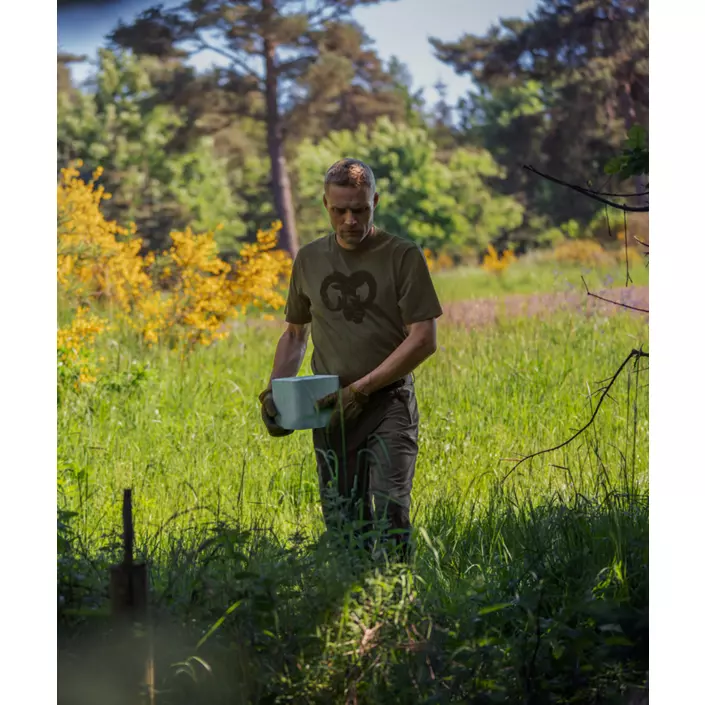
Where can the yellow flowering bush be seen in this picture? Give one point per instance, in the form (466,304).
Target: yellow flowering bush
(96,259)
(74,344)
(184,294)
(583,252)
(440,263)
(260,272)
(587,252)
(201,291)
(496,264)
(445,261)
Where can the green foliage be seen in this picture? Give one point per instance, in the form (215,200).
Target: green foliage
(555,91)
(413,101)
(123,129)
(420,196)
(300,68)
(250,177)
(201,185)
(634,159)
(485,213)
(492,113)
(545,237)
(571,230)
(608,219)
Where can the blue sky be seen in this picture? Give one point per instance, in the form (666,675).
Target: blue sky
(398,28)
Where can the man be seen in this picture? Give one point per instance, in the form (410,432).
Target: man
(371,305)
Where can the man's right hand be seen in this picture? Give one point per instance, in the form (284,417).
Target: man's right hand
(269,412)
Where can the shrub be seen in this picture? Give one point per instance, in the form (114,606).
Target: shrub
(584,252)
(183,295)
(495,263)
(74,343)
(592,254)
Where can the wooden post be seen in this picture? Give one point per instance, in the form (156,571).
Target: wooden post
(128,596)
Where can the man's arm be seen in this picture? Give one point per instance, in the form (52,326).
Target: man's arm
(419,345)
(290,351)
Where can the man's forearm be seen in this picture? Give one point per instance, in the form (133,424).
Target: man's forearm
(288,356)
(404,360)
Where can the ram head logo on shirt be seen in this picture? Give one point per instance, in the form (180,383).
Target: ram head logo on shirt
(353,295)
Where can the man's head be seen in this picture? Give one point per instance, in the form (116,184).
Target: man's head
(350,198)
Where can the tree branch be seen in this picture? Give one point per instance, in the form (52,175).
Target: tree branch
(237,61)
(626,251)
(317,18)
(588,192)
(637,354)
(610,301)
(618,195)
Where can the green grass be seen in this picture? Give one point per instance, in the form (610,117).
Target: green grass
(528,276)
(533,591)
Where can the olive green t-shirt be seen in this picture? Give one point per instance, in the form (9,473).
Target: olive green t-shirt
(359,302)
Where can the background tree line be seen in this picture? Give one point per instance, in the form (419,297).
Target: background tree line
(301,85)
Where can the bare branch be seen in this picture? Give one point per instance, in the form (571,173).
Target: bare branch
(587,192)
(234,59)
(617,195)
(626,251)
(602,389)
(318,18)
(637,354)
(610,301)
(609,227)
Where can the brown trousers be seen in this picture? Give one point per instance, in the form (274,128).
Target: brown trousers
(366,470)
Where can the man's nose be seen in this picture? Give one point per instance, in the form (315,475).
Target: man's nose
(350,218)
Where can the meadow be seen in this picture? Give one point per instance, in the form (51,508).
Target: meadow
(528,584)
(534,275)
(532,590)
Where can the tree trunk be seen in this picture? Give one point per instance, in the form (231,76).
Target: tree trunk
(281,186)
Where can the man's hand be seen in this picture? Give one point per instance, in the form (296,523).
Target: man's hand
(269,412)
(347,404)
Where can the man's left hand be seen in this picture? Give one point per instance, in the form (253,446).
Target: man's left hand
(347,404)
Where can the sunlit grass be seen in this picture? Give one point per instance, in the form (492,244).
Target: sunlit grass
(228,516)
(185,435)
(528,276)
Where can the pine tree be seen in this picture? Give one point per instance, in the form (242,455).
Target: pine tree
(270,47)
(561,87)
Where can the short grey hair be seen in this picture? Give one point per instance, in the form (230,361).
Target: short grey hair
(350,172)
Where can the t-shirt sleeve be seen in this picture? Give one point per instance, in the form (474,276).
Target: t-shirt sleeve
(298,305)
(418,300)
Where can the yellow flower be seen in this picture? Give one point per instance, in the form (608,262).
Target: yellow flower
(100,262)
(495,264)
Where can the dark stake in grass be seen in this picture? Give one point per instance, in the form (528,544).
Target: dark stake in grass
(129,599)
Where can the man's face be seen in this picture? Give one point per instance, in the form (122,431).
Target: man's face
(351,210)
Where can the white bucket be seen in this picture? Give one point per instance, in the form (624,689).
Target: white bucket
(296,397)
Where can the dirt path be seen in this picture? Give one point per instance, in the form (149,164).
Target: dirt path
(481,312)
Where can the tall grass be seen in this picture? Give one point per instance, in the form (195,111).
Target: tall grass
(531,590)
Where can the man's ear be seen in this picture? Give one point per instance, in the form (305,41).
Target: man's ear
(325,202)
(375,200)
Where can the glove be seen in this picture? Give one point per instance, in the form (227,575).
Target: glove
(347,404)
(269,412)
